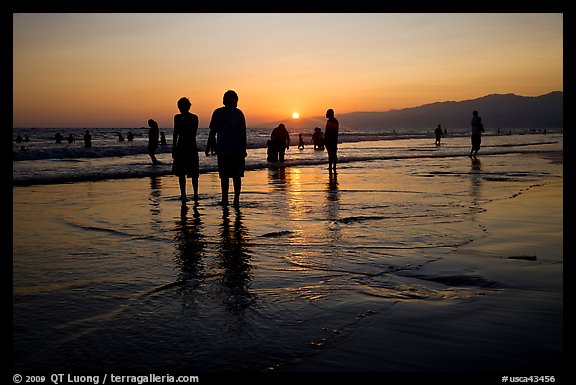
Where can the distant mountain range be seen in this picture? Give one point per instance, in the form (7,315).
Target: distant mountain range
(497,111)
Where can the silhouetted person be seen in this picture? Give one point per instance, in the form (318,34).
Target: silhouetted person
(58,137)
(18,139)
(476,136)
(71,139)
(120,137)
(318,139)
(26,138)
(153,139)
(280,141)
(184,148)
(331,139)
(271,153)
(438,132)
(163,138)
(228,136)
(130,136)
(87,139)
(300,142)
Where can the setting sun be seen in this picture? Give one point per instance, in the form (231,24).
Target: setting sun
(295,115)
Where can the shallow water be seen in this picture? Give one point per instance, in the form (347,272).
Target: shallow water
(382,268)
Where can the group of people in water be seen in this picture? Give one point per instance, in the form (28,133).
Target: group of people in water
(279,141)
(226,140)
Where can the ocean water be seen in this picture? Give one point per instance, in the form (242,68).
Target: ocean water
(42,161)
(387,266)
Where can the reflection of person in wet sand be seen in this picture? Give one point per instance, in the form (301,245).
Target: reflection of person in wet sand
(155,192)
(333,205)
(189,244)
(476,180)
(234,258)
(184,148)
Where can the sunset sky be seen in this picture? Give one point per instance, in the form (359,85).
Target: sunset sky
(119,70)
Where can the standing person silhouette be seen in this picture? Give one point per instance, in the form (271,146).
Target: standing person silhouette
(228,137)
(184,148)
(331,139)
(280,140)
(439,133)
(87,139)
(153,139)
(477,130)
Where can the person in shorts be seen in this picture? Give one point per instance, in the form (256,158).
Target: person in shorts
(184,148)
(228,137)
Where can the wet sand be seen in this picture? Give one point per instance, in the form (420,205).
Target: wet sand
(394,266)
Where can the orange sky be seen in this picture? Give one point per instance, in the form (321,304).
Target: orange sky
(119,70)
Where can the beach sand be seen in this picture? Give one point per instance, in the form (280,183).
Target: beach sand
(428,265)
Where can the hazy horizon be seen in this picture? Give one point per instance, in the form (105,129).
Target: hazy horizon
(119,70)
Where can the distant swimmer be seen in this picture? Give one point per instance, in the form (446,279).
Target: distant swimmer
(318,139)
(58,138)
(71,139)
(300,142)
(438,132)
(87,139)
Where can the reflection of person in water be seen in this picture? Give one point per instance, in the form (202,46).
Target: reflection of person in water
(333,206)
(190,244)
(475,181)
(234,259)
(154,202)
